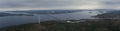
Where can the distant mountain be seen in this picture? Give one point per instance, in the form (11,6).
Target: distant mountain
(49,11)
(63,11)
(9,14)
(32,12)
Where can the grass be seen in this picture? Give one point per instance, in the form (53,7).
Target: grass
(88,25)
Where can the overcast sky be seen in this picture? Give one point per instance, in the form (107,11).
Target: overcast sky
(59,4)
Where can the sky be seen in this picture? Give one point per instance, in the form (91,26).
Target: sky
(58,4)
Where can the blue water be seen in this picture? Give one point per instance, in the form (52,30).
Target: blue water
(17,20)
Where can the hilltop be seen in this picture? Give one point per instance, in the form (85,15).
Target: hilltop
(88,25)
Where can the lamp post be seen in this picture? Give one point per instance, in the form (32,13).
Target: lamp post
(49,14)
(39,19)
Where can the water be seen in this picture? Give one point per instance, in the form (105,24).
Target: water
(17,20)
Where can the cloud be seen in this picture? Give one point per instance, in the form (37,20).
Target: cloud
(61,4)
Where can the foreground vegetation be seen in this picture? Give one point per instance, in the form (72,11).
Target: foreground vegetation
(88,25)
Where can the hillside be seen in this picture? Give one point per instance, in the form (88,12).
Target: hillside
(88,25)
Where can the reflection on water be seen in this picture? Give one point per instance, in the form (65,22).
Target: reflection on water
(16,20)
